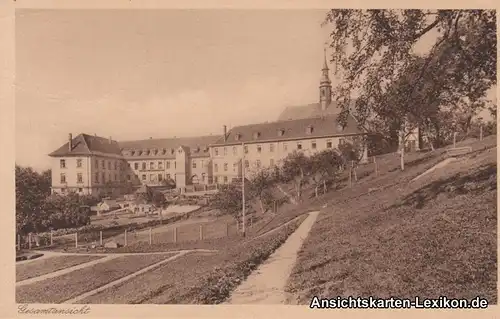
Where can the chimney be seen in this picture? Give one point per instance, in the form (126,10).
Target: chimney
(225,133)
(70,142)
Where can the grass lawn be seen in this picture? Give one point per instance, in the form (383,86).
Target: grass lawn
(196,278)
(49,265)
(73,284)
(432,237)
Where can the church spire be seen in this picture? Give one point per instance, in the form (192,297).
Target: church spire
(325,86)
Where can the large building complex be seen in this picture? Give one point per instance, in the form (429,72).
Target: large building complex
(94,165)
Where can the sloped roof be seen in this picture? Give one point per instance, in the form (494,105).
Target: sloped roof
(166,147)
(294,129)
(84,144)
(309,110)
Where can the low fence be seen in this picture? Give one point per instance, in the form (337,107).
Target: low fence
(125,237)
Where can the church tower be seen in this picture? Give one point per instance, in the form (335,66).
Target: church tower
(325,87)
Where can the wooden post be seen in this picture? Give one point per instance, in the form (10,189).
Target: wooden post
(100,237)
(29,241)
(454,139)
(125,238)
(350,177)
(150,236)
(51,238)
(76,240)
(175,234)
(18,242)
(481,133)
(201,232)
(376,166)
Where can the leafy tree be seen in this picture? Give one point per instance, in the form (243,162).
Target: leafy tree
(65,211)
(400,88)
(260,186)
(296,167)
(158,199)
(325,167)
(31,190)
(229,200)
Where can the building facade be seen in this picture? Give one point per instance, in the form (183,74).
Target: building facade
(95,165)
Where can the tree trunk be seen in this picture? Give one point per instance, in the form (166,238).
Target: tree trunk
(324,187)
(402,158)
(355,175)
(316,190)
(261,206)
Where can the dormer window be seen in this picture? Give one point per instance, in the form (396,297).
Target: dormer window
(172,151)
(156,151)
(198,149)
(164,151)
(237,136)
(139,153)
(281,132)
(256,135)
(132,153)
(340,128)
(309,129)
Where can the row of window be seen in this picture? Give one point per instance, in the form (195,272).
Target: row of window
(258,147)
(258,164)
(79,164)
(159,165)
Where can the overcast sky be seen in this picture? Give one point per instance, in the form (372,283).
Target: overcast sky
(162,73)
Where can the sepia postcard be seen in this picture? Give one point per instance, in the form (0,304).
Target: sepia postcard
(260,160)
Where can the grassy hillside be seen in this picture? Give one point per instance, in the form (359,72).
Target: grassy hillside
(388,236)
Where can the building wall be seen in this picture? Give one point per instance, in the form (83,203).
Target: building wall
(227,159)
(87,174)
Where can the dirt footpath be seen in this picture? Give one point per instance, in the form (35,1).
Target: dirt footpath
(266,285)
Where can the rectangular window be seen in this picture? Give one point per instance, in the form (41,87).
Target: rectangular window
(225,151)
(96,163)
(116,165)
(247,164)
(160,177)
(152,165)
(328,144)
(313,145)
(63,178)
(143,166)
(109,176)
(103,165)
(259,149)
(116,177)
(143,177)
(225,179)
(285,146)
(235,150)
(225,167)
(168,177)
(341,141)
(97,177)
(194,164)
(216,150)
(235,165)
(109,165)
(175,165)
(80,190)
(245,149)
(62,163)
(257,163)
(271,162)
(216,179)
(136,166)
(271,148)
(128,178)
(103,177)
(152,177)
(299,146)
(79,178)
(216,167)
(79,163)
(168,165)
(160,165)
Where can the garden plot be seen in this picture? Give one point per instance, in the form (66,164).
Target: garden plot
(75,283)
